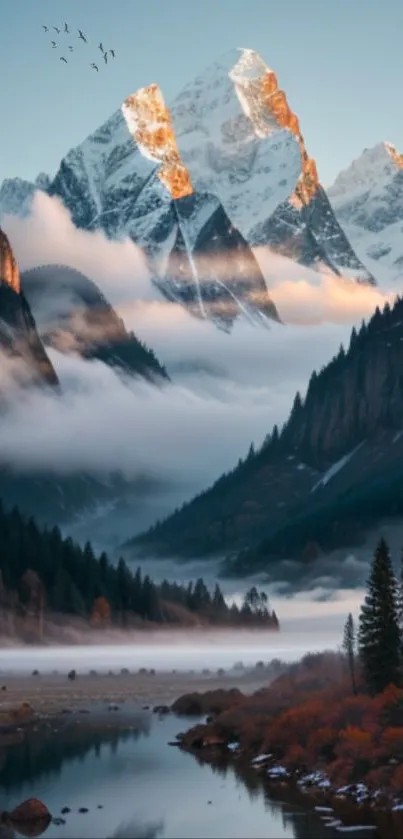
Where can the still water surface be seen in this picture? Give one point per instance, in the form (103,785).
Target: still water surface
(136,786)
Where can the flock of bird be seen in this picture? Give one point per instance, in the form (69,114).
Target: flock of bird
(81,37)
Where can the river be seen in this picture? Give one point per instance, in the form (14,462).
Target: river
(135,786)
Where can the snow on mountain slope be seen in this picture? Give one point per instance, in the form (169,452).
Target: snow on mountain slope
(233,132)
(251,167)
(207,264)
(367,198)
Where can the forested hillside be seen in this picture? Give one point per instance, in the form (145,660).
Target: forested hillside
(41,573)
(333,471)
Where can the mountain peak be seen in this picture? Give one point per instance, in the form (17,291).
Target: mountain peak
(149,121)
(367,200)
(229,140)
(266,105)
(259,102)
(9,272)
(370,170)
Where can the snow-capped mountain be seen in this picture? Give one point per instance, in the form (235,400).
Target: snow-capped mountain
(367,198)
(16,194)
(240,139)
(232,138)
(19,340)
(72,315)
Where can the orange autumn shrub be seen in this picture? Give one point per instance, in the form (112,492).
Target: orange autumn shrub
(294,756)
(391,743)
(321,742)
(390,706)
(379,777)
(354,744)
(349,712)
(252,732)
(352,738)
(341,771)
(292,726)
(101,612)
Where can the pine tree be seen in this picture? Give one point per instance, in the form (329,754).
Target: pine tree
(297,405)
(218,599)
(379,636)
(251,452)
(353,339)
(349,644)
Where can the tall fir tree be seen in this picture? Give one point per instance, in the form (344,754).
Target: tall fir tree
(349,647)
(379,635)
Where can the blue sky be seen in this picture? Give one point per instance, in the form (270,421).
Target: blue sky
(340,62)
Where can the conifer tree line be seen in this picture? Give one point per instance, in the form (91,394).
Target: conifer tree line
(41,569)
(374,651)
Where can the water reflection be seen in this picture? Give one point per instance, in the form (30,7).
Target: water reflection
(138,830)
(132,785)
(45,753)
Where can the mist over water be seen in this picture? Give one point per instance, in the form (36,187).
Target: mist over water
(310,621)
(314,627)
(165,652)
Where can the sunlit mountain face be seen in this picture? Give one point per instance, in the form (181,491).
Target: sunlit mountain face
(209,187)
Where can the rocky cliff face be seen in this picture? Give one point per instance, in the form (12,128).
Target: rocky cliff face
(9,272)
(210,267)
(19,339)
(338,462)
(72,315)
(231,137)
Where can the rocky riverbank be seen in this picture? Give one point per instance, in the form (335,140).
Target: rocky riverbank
(342,807)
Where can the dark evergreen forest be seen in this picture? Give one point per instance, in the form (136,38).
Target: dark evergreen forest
(43,572)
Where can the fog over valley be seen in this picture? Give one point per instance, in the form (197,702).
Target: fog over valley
(226,390)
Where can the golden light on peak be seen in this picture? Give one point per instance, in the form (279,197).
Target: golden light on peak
(9,272)
(266,106)
(394,154)
(149,122)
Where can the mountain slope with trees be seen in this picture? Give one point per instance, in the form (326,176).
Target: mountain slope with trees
(331,472)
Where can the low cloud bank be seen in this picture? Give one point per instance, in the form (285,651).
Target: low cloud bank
(227,390)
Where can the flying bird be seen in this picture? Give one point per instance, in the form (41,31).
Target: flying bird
(63,59)
(80,35)
(106,57)
(56,29)
(112,52)
(71,49)
(54,45)
(100,47)
(45,28)
(66,28)
(95,67)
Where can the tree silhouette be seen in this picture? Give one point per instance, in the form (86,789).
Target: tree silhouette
(349,647)
(379,636)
